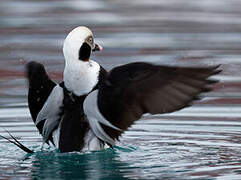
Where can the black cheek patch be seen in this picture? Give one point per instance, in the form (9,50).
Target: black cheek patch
(84,52)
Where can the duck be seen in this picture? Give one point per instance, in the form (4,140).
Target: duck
(92,107)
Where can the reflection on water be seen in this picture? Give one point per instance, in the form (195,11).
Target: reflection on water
(95,165)
(200,142)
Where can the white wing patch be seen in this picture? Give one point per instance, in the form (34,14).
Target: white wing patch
(50,112)
(95,118)
(56,133)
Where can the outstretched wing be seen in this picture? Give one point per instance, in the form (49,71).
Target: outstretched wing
(42,96)
(131,90)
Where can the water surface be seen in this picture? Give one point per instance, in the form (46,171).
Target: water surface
(200,142)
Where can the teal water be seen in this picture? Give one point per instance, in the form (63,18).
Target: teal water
(200,142)
(187,157)
(54,165)
(160,147)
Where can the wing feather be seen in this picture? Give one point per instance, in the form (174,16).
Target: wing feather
(51,112)
(131,90)
(44,98)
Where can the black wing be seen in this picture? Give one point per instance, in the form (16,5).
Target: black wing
(137,88)
(40,87)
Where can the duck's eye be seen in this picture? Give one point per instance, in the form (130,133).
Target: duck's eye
(91,40)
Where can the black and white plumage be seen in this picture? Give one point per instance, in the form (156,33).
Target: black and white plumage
(91,108)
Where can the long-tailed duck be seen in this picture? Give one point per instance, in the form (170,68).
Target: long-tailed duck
(91,108)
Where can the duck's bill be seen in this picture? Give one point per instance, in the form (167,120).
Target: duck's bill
(98,48)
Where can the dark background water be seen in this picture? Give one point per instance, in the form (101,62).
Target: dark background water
(201,142)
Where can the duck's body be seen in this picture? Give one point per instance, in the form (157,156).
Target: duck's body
(74,132)
(91,108)
(67,127)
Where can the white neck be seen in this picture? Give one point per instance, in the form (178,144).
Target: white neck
(81,77)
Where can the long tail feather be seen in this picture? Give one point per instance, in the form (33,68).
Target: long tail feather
(16,142)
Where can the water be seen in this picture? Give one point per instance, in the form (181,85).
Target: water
(200,142)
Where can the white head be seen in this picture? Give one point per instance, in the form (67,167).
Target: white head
(79,44)
(80,73)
